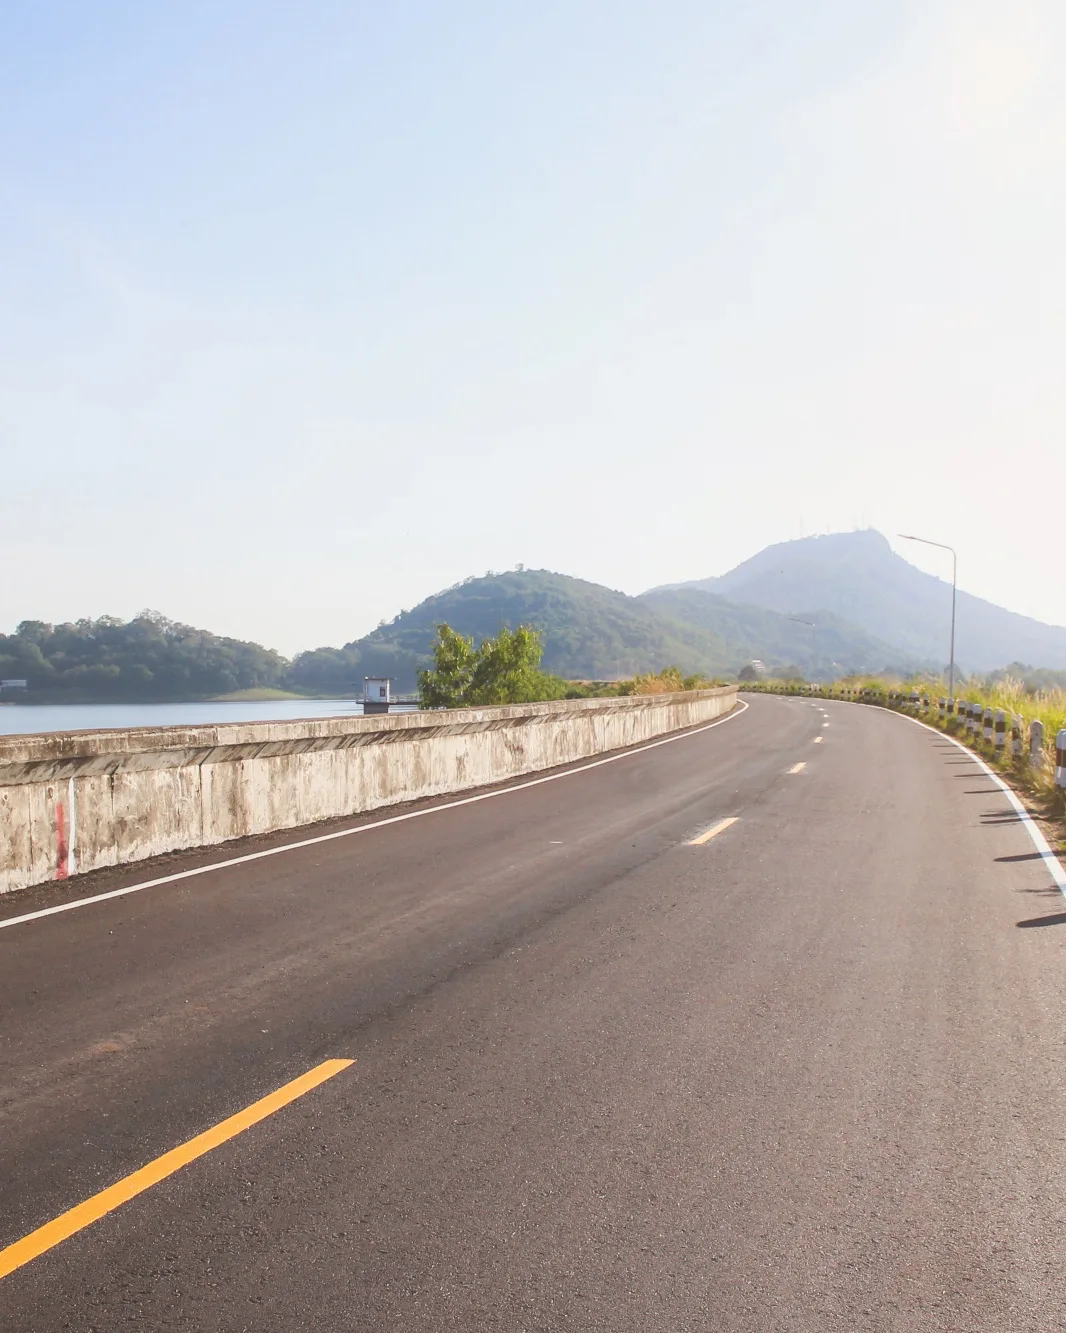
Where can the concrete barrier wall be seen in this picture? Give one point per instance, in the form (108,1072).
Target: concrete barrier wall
(74,802)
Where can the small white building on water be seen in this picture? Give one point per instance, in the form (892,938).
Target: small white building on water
(377,694)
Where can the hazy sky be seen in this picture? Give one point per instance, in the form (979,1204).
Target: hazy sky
(308,311)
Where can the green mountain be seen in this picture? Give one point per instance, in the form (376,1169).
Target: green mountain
(822,643)
(594,633)
(858,576)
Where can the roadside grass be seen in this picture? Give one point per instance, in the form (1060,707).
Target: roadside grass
(1048,707)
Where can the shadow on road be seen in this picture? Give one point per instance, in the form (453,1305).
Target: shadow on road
(997,816)
(1055,919)
(1025,856)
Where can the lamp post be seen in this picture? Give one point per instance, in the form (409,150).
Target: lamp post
(954,580)
(814,636)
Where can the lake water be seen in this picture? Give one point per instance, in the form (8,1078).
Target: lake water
(24,719)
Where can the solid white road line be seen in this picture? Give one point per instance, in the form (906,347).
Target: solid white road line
(362,828)
(1054,865)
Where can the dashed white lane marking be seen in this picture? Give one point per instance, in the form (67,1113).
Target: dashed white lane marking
(818,740)
(798,768)
(713,831)
(825,724)
(365,828)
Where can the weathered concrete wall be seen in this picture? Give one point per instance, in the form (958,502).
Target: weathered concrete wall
(74,802)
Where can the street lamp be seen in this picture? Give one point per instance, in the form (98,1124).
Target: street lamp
(954,579)
(814,636)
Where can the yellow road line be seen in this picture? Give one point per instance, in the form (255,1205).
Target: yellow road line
(713,831)
(798,768)
(75,1219)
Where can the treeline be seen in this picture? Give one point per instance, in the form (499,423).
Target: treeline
(149,657)
(1034,680)
(153,658)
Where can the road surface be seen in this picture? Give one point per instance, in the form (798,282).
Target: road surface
(806,1074)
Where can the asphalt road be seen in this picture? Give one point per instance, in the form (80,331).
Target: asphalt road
(808,1075)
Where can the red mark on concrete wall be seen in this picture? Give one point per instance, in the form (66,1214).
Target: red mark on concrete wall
(62,857)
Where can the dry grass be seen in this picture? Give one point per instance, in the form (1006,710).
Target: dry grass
(667,681)
(1046,706)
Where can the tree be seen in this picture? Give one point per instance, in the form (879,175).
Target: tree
(447,683)
(500,670)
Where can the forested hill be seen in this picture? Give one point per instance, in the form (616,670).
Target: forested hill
(147,658)
(588,631)
(593,632)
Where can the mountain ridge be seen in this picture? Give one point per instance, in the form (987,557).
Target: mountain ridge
(857,575)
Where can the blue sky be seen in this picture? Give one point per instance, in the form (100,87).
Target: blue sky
(309,311)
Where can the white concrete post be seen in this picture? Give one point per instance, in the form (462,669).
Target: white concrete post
(1000,727)
(989,719)
(1016,736)
(1060,758)
(1036,744)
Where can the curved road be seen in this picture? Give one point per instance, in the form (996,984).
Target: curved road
(807,1074)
